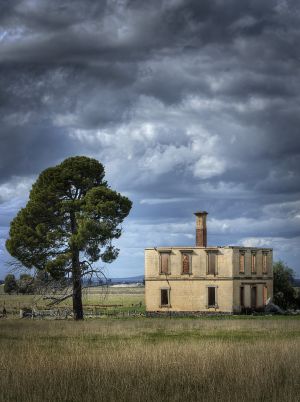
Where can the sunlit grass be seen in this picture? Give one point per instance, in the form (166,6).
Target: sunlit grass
(122,298)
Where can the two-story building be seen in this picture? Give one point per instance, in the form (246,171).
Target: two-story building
(229,279)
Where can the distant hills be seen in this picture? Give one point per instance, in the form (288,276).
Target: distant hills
(296,282)
(115,281)
(131,279)
(140,279)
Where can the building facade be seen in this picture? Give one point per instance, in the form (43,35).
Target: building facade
(227,279)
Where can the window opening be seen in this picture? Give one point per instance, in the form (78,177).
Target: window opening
(265,269)
(211,296)
(212,264)
(253,263)
(164,297)
(253,297)
(164,263)
(242,297)
(186,269)
(242,262)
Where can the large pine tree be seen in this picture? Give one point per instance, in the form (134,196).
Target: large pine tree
(69,223)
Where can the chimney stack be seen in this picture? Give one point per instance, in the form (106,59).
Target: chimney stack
(201,232)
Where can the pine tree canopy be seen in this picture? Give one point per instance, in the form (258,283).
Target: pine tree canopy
(70,220)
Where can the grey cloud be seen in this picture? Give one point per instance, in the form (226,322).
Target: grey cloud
(77,31)
(45,15)
(189,100)
(27,149)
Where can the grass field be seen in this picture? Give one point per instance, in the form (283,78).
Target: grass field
(234,358)
(125,299)
(147,359)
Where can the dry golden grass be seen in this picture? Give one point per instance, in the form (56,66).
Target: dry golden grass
(127,297)
(150,360)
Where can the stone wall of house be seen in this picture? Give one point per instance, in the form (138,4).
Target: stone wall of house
(199,262)
(188,295)
(188,291)
(248,251)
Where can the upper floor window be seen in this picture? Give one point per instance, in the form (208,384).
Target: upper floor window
(212,263)
(242,262)
(253,262)
(186,262)
(164,263)
(264,263)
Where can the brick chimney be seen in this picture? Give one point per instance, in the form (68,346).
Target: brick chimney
(201,233)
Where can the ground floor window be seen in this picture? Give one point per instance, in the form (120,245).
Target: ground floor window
(211,295)
(265,294)
(242,297)
(253,297)
(164,297)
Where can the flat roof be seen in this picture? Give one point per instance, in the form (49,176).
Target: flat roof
(208,247)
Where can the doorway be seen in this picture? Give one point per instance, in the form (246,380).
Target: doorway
(253,297)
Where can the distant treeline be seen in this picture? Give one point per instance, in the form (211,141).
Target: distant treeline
(26,284)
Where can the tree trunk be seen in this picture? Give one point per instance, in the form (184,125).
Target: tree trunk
(76,276)
(77,294)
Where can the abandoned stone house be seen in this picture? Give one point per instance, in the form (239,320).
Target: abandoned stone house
(229,279)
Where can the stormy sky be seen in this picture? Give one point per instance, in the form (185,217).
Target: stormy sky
(190,105)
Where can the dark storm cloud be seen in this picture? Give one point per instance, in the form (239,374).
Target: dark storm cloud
(87,31)
(32,146)
(188,104)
